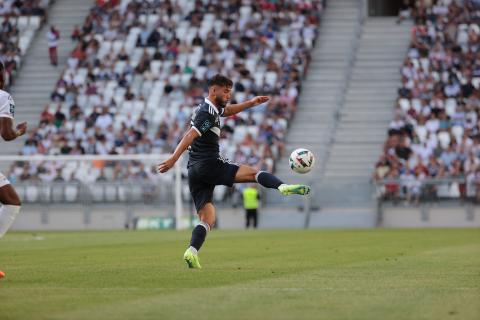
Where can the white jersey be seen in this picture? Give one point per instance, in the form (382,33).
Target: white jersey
(7,106)
(52,39)
(7,110)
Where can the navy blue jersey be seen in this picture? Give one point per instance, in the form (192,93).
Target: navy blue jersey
(206,120)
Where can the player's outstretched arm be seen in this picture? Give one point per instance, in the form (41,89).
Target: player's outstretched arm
(187,140)
(7,131)
(232,109)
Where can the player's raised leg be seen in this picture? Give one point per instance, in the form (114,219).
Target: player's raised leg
(268,180)
(10,205)
(199,233)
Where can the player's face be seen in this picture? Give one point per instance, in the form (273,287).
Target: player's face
(222,96)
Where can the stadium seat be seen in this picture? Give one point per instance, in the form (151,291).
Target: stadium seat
(457,132)
(22,22)
(444,139)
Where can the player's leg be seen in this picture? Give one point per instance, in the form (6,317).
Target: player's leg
(199,233)
(202,195)
(255,218)
(207,221)
(249,174)
(10,205)
(268,180)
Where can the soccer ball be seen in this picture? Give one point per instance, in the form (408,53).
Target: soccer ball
(301,160)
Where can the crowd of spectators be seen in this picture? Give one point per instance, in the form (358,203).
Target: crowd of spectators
(140,67)
(433,144)
(18,22)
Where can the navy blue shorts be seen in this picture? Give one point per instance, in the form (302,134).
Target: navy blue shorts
(204,176)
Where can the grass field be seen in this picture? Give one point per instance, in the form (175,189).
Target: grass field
(377,274)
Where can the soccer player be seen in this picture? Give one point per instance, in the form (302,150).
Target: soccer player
(206,168)
(8,197)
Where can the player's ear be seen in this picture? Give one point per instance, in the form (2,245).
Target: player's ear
(211,90)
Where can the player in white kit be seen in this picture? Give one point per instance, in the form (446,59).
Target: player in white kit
(8,197)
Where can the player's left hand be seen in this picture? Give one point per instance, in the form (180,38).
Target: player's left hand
(21,129)
(259,100)
(166,165)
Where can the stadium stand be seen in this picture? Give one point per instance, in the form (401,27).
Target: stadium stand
(139,67)
(19,20)
(433,145)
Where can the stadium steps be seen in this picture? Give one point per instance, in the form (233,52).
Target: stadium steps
(318,103)
(369,100)
(37,78)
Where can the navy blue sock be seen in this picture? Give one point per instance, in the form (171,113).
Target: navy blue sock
(199,234)
(268,180)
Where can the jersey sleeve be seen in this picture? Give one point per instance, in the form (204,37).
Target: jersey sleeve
(203,122)
(7,107)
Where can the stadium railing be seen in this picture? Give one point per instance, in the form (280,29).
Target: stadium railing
(165,189)
(428,189)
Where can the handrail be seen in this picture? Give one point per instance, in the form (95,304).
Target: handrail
(88,157)
(425,181)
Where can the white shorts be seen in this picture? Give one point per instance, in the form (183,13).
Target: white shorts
(3,180)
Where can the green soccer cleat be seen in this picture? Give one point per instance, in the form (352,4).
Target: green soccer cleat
(191,259)
(288,189)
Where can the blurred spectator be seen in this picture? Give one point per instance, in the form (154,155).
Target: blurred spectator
(436,116)
(19,21)
(76,34)
(53,35)
(250,204)
(139,68)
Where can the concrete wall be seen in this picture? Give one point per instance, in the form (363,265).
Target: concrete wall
(111,217)
(78,217)
(432,216)
(292,218)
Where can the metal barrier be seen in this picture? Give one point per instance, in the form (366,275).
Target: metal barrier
(430,189)
(133,192)
(88,189)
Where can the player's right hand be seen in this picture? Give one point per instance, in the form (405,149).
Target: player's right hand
(21,129)
(166,165)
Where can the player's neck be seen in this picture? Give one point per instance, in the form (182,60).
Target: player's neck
(212,101)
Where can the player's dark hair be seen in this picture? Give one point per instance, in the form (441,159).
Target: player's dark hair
(219,80)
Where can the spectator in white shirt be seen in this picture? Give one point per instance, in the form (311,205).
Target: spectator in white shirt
(452,89)
(397,124)
(432,124)
(53,35)
(104,120)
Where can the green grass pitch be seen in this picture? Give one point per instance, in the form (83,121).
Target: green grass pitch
(314,274)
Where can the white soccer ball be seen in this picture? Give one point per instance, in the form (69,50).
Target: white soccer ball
(301,160)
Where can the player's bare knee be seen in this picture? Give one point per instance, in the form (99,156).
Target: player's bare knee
(250,176)
(246,174)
